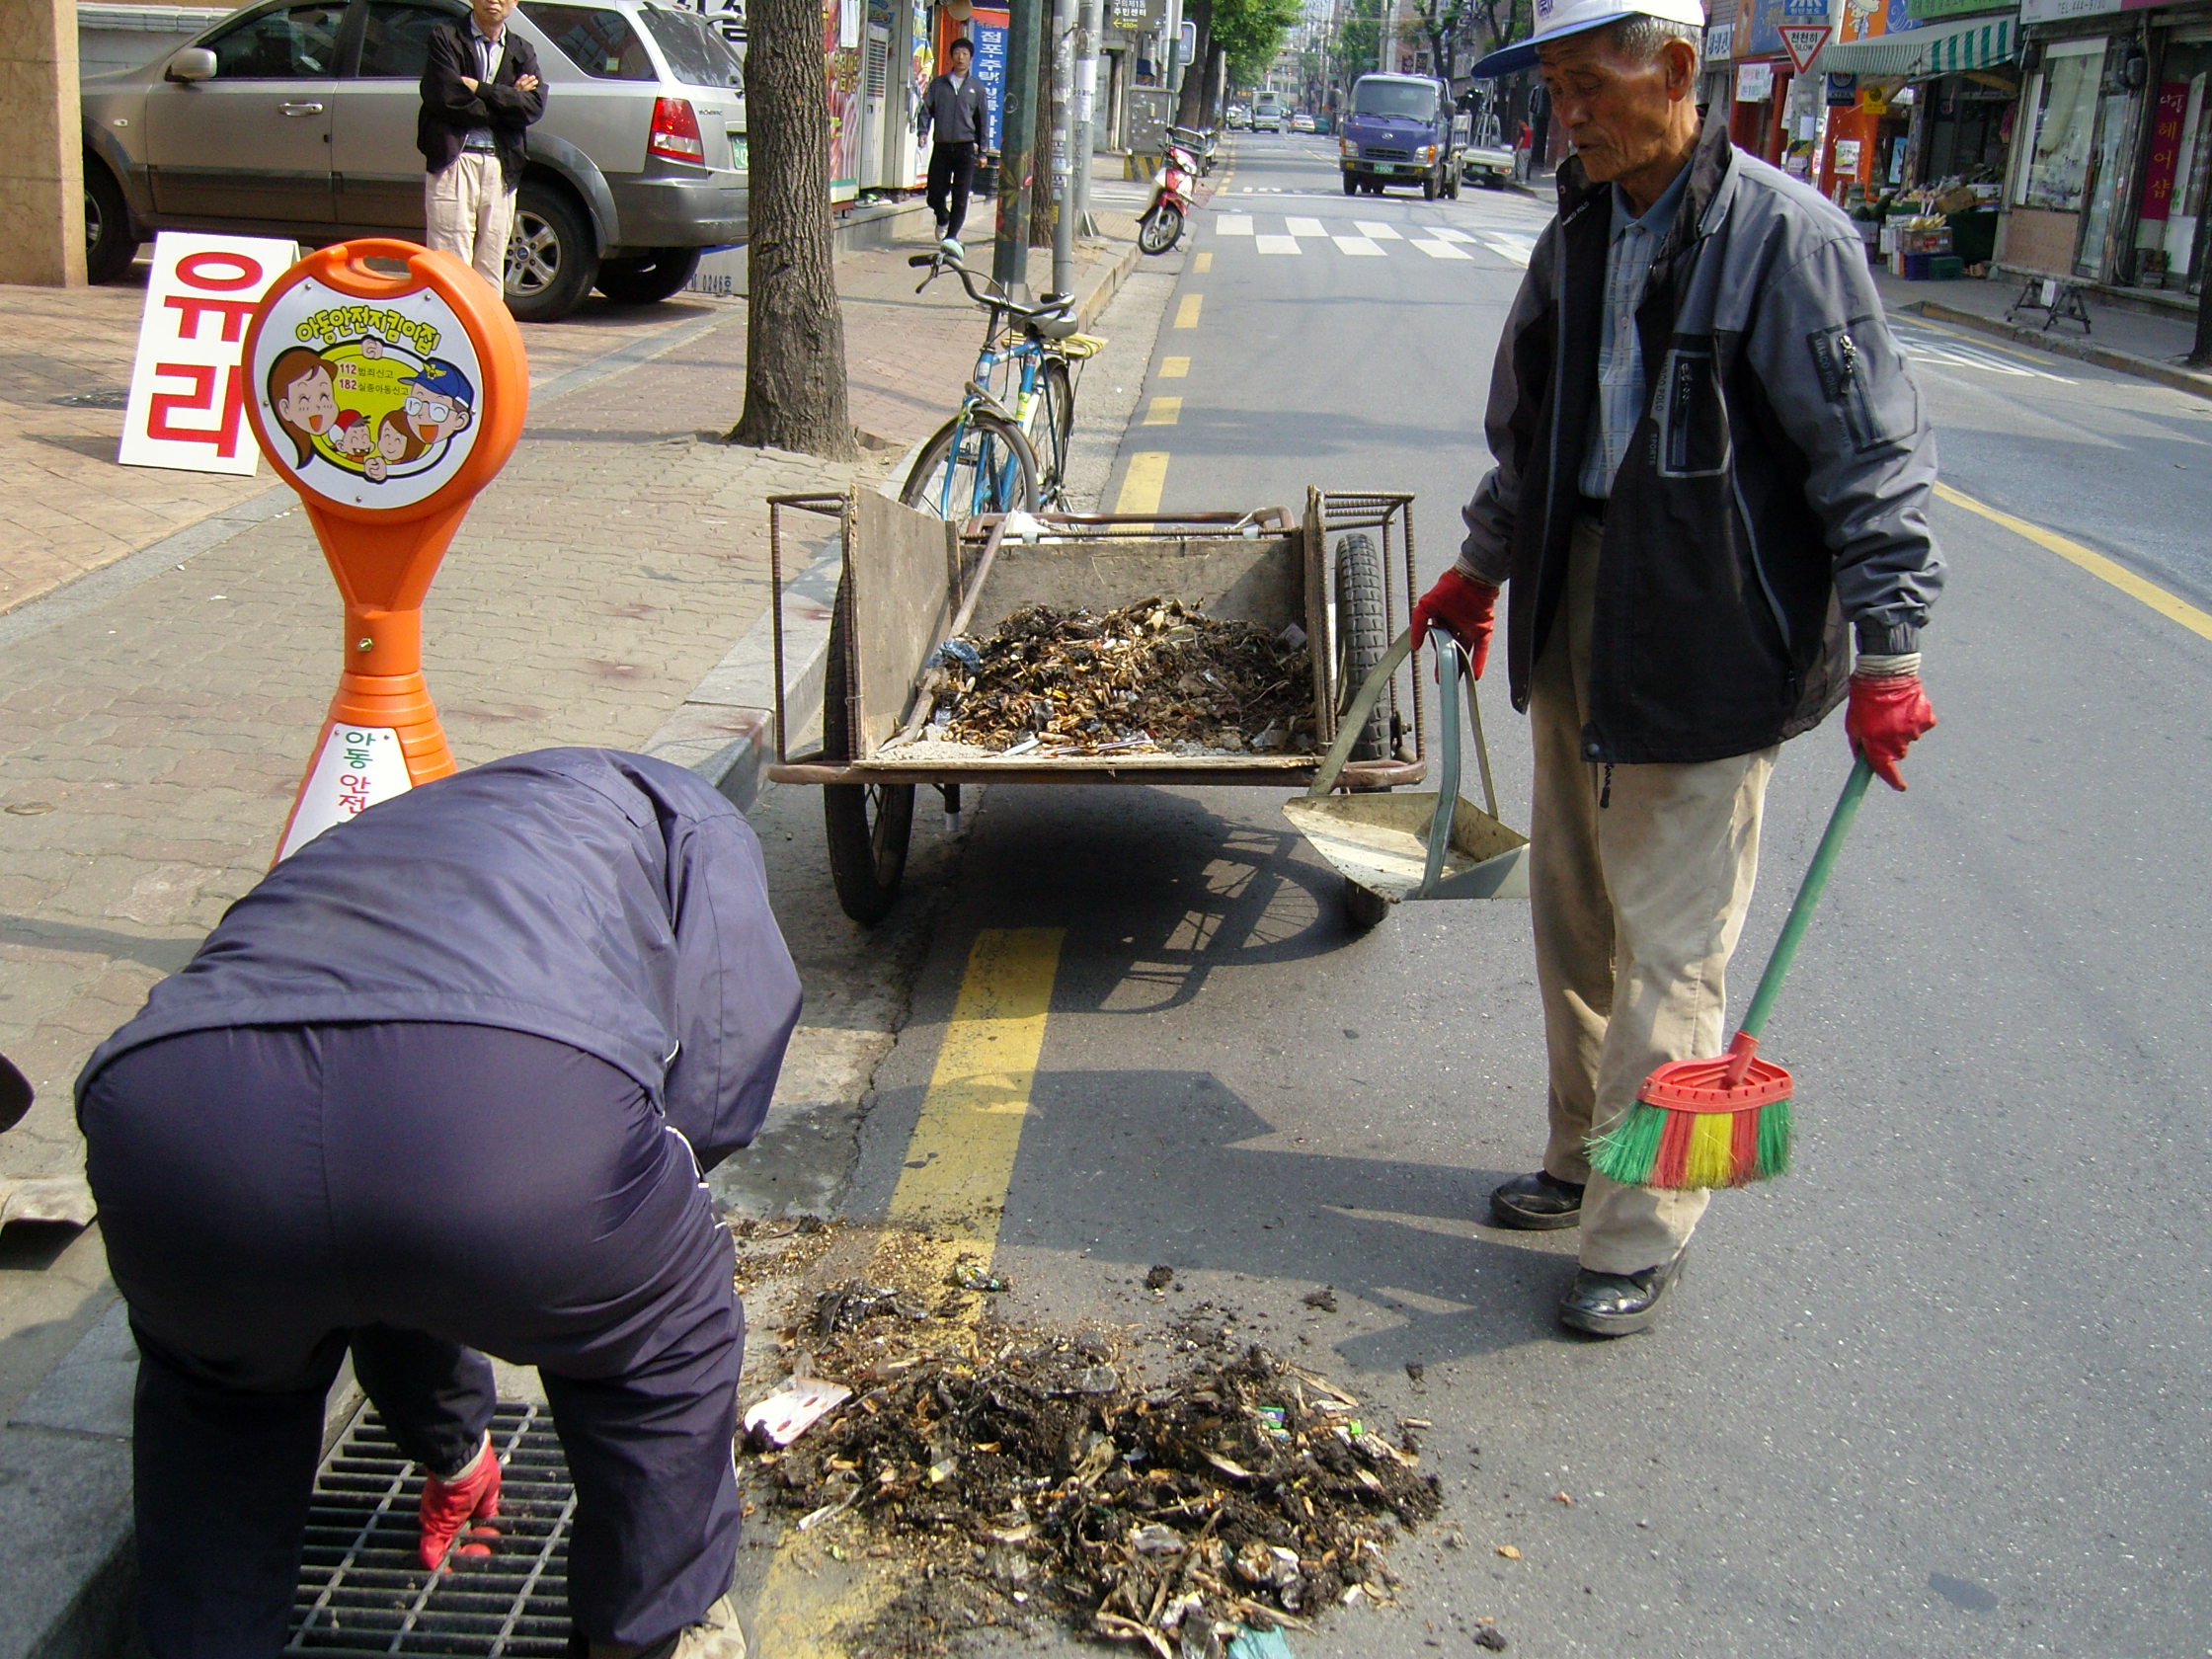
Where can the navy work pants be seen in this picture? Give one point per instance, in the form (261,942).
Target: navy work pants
(952,173)
(272,1196)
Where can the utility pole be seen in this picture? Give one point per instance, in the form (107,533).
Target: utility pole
(1064,147)
(1089,23)
(1017,147)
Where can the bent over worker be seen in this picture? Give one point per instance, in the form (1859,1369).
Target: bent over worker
(1712,482)
(444,1082)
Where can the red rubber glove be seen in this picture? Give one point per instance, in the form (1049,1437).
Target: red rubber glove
(1886,713)
(1463,604)
(449,1506)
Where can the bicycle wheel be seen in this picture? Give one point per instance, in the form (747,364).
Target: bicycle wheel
(868,825)
(1055,428)
(976,463)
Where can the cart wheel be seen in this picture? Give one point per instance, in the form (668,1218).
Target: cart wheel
(1363,637)
(1363,906)
(868,824)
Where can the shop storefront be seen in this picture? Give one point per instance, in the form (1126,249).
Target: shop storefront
(1769,116)
(1930,101)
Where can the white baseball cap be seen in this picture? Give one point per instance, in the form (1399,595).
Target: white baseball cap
(1555,20)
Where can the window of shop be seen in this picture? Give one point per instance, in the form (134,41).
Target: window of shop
(2177,167)
(2063,95)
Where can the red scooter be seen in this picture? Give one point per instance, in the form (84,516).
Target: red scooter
(1162,226)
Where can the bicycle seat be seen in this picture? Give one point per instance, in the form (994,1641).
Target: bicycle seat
(1053,328)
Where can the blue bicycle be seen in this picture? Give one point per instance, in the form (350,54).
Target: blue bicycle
(1005,449)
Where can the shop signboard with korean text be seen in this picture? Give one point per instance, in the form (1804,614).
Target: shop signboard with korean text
(2165,156)
(187,386)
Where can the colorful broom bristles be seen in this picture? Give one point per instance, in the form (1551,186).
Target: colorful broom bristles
(1702,1123)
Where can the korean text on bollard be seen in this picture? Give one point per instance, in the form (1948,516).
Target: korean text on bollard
(388,398)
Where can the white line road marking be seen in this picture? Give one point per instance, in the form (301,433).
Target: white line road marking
(1968,356)
(1233,224)
(1274,244)
(1356,245)
(1442,250)
(1304,227)
(1451,235)
(1375,232)
(1511,245)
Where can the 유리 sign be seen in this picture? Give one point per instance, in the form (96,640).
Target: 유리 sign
(188,394)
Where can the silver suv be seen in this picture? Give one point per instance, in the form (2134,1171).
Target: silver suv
(298,120)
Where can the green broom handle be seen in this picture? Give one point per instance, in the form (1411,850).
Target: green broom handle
(1808,895)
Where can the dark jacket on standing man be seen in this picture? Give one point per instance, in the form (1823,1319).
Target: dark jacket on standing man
(450,111)
(606,901)
(955,115)
(1776,488)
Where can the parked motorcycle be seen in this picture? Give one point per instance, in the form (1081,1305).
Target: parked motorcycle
(1161,225)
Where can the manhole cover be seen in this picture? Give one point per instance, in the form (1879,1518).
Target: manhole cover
(116,397)
(362,1590)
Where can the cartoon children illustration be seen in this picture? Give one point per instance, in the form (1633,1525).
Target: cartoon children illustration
(441,401)
(396,445)
(350,433)
(302,398)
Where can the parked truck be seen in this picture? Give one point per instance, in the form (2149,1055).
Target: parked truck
(1398,131)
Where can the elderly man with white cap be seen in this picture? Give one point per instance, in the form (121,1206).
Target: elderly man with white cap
(1711,489)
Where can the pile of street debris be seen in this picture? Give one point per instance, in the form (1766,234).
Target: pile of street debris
(1153,678)
(1013,1472)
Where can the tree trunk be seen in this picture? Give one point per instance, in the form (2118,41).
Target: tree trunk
(1189,106)
(795,331)
(1216,77)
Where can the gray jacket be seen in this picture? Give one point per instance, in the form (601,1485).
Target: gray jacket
(956,115)
(609,902)
(1776,487)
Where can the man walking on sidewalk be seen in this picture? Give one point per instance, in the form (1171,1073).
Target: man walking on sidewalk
(446,1081)
(1711,463)
(481,94)
(953,114)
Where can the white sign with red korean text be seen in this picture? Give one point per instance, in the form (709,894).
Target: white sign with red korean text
(187,388)
(356,767)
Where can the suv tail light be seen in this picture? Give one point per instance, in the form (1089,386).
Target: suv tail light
(676,133)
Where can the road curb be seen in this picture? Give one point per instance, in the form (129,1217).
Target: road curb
(2182,379)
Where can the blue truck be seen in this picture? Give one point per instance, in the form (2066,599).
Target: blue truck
(1398,131)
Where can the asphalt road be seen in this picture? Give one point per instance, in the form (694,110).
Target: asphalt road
(1942,1391)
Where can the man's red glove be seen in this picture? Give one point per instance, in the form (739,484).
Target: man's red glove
(1463,604)
(1887,712)
(449,1505)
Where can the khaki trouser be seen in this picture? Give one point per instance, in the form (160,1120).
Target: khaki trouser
(1637,906)
(470,210)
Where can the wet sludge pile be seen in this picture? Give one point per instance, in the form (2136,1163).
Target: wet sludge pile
(1010,1474)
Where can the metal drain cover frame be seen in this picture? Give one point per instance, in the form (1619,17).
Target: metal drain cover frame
(362,1590)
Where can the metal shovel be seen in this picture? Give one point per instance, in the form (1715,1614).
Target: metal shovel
(1415,846)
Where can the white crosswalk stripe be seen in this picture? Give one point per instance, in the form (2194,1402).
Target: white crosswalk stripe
(1304,227)
(1447,234)
(1357,245)
(1442,250)
(1274,243)
(1233,224)
(1375,232)
(1513,245)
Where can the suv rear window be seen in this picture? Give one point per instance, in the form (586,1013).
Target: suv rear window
(694,49)
(599,41)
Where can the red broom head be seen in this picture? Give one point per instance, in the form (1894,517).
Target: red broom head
(1702,1123)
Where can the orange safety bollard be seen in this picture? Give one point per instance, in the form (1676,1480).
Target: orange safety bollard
(388,399)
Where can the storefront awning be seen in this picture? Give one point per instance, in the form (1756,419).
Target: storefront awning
(1939,48)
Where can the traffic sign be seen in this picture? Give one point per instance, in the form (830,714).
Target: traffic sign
(388,394)
(1803,41)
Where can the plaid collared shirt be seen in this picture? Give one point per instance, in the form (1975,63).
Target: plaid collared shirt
(1620,380)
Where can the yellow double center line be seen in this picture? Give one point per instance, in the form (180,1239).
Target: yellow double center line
(948,1205)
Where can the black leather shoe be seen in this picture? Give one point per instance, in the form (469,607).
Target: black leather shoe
(1537,1203)
(1619,1303)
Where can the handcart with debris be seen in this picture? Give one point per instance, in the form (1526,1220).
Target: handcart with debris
(1208,648)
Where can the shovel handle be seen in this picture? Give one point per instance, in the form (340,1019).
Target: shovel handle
(1354,719)
(1808,895)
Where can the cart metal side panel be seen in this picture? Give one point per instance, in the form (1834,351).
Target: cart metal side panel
(1230,579)
(901,607)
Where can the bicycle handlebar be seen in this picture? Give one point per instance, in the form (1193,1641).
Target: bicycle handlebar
(992,298)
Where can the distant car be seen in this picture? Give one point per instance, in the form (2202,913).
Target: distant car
(298,120)
(1301,123)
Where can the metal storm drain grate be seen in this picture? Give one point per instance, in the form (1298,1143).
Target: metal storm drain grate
(362,1590)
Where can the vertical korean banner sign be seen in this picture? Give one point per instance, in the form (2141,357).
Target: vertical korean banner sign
(840,61)
(2166,150)
(988,28)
